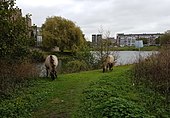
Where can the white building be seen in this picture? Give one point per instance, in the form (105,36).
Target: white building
(39,36)
(129,39)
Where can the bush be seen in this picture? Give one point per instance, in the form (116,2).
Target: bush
(76,62)
(154,72)
(37,56)
(15,75)
(76,66)
(88,58)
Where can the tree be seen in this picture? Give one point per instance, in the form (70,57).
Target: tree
(13,31)
(145,40)
(58,31)
(157,41)
(165,39)
(104,46)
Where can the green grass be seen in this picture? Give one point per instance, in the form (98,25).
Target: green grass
(46,98)
(114,95)
(64,97)
(68,89)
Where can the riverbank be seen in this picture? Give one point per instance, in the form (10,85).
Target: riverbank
(133,48)
(62,98)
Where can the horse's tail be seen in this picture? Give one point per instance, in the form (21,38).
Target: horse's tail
(52,61)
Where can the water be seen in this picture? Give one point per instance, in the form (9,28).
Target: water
(41,68)
(130,57)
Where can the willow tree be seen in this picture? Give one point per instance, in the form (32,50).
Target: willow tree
(63,33)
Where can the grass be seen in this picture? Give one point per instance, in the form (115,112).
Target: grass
(62,98)
(68,89)
(42,96)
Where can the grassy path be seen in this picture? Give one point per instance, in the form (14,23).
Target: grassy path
(67,91)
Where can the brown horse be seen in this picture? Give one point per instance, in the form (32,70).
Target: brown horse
(51,63)
(108,63)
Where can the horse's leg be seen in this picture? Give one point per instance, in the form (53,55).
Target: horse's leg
(47,72)
(103,69)
(56,74)
(110,66)
(104,66)
(52,75)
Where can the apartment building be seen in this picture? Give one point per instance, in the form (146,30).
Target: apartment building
(96,38)
(129,39)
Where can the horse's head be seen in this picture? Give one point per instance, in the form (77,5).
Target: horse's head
(53,72)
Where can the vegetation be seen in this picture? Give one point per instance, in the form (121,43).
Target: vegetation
(15,69)
(115,96)
(13,32)
(85,94)
(58,31)
(102,48)
(154,72)
(165,39)
(70,62)
(37,56)
(14,76)
(133,48)
(145,40)
(144,93)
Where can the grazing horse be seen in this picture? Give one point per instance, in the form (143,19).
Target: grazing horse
(51,63)
(108,63)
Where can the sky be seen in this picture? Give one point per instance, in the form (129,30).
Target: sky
(102,16)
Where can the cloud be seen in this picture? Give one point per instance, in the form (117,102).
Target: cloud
(133,16)
(44,3)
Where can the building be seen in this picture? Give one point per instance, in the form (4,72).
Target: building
(37,35)
(96,38)
(129,39)
(168,31)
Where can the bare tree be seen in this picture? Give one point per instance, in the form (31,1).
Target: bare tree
(104,46)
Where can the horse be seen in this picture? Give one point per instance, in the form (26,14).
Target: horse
(108,63)
(51,63)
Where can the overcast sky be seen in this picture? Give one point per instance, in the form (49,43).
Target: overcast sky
(116,16)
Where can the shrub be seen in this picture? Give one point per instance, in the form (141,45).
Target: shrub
(76,66)
(37,56)
(88,58)
(154,72)
(15,75)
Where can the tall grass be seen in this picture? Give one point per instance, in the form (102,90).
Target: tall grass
(154,72)
(15,74)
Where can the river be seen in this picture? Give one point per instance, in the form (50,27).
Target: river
(129,57)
